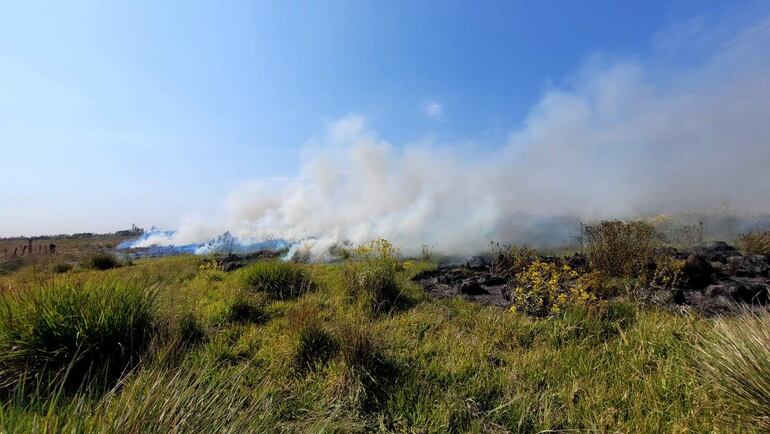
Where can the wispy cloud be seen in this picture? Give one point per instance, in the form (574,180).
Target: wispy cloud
(433,109)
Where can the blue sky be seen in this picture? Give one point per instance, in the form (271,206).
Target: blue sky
(145,111)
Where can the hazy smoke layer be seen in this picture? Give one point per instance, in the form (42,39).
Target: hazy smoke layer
(623,138)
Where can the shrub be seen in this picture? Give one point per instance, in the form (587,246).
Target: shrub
(756,243)
(545,288)
(372,276)
(597,283)
(102,261)
(280,280)
(426,253)
(735,357)
(620,248)
(73,332)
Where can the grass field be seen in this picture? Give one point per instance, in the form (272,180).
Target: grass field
(176,345)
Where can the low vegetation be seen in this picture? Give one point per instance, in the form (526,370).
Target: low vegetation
(162,346)
(512,259)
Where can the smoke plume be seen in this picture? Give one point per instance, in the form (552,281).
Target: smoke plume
(621,138)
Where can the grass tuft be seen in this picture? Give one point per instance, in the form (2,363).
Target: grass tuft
(71,333)
(367,374)
(315,344)
(61,267)
(189,330)
(102,261)
(8,266)
(735,357)
(278,279)
(245,308)
(371,277)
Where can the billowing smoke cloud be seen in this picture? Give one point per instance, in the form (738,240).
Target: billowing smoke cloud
(624,138)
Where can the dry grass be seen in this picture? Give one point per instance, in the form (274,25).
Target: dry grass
(735,357)
(620,248)
(71,250)
(756,243)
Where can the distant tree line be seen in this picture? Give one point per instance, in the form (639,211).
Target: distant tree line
(135,230)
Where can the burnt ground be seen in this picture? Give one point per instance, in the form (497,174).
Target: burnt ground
(716,279)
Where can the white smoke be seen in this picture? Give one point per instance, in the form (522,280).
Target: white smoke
(623,138)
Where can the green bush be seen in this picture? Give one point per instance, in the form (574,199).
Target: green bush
(73,332)
(279,280)
(102,261)
(620,248)
(756,243)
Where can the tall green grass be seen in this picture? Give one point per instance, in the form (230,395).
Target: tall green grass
(71,332)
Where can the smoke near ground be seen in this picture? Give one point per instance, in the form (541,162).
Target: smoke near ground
(621,138)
